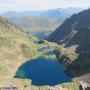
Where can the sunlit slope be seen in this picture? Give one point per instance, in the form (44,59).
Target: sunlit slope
(15,48)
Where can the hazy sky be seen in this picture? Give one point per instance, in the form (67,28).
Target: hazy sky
(21,5)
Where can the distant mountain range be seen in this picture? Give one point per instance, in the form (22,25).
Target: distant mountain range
(53,13)
(40,23)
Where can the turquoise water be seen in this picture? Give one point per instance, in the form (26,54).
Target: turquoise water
(43,71)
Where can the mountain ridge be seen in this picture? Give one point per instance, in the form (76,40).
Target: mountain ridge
(51,13)
(71,27)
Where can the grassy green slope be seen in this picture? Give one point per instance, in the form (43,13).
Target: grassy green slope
(15,48)
(36,23)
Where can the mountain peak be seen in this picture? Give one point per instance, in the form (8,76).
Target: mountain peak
(6,25)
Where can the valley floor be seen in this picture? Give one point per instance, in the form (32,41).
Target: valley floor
(24,84)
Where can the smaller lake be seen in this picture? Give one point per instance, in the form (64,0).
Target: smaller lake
(43,71)
(42,49)
(50,52)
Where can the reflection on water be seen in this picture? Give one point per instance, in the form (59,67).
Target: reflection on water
(42,72)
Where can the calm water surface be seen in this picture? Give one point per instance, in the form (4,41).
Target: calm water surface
(43,71)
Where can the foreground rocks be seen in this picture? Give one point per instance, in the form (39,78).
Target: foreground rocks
(84,86)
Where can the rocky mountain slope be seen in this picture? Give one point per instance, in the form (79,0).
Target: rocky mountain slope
(74,34)
(74,31)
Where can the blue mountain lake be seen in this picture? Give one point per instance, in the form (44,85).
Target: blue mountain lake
(43,71)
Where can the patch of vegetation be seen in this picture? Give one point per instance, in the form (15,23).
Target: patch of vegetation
(70,86)
(26,50)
